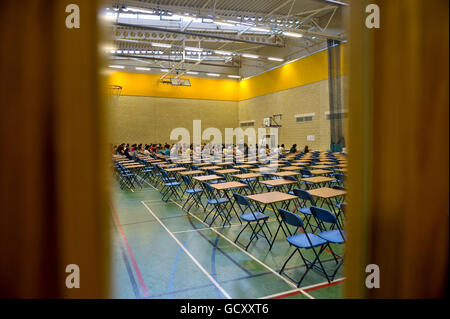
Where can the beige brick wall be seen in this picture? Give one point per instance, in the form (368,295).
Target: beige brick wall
(310,98)
(150,120)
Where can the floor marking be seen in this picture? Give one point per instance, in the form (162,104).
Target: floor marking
(280,294)
(130,253)
(246,252)
(125,260)
(323,285)
(188,253)
(299,290)
(306,294)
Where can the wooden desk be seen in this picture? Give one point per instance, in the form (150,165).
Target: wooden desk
(176,169)
(211,167)
(196,172)
(228,185)
(277,182)
(320,171)
(317,179)
(285,173)
(272,198)
(320,166)
(248,175)
(207,178)
(224,163)
(290,168)
(342,170)
(243,166)
(227,171)
(326,192)
(201,164)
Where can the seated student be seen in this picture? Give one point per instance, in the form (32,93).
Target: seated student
(306,150)
(127,153)
(167,149)
(281,149)
(146,150)
(293,149)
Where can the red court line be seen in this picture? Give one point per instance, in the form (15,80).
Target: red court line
(325,285)
(287,295)
(130,253)
(309,289)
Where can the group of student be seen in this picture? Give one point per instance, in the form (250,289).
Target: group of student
(183,150)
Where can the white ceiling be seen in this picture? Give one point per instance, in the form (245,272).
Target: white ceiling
(225,30)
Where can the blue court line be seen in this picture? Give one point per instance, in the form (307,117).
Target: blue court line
(174,267)
(228,281)
(218,248)
(213,263)
(127,263)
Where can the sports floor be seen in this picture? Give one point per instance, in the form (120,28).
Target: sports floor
(161,251)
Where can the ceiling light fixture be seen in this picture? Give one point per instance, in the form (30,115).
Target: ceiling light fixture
(250,56)
(212,74)
(275,59)
(292,34)
(117,66)
(142,69)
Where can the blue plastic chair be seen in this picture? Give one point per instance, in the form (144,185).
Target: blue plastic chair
(218,205)
(303,241)
(194,194)
(332,236)
(251,217)
(169,187)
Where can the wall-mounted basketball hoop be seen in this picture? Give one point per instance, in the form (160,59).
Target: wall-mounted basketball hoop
(272,121)
(113,92)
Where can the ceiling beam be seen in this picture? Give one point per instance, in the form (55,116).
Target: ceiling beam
(198,34)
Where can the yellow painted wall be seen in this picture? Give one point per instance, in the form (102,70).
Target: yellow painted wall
(308,70)
(148,110)
(138,84)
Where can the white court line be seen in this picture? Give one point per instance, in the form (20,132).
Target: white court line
(188,253)
(322,283)
(306,294)
(280,294)
(244,251)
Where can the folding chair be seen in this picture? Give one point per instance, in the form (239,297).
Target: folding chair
(194,194)
(303,208)
(303,241)
(250,217)
(169,187)
(332,236)
(217,203)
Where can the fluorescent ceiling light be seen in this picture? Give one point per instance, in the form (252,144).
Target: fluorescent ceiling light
(251,56)
(142,69)
(234,76)
(192,72)
(212,74)
(164,70)
(223,52)
(260,29)
(193,49)
(161,45)
(117,66)
(135,9)
(293,34)
(275,59)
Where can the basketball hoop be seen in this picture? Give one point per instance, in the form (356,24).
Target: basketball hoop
(113,94)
